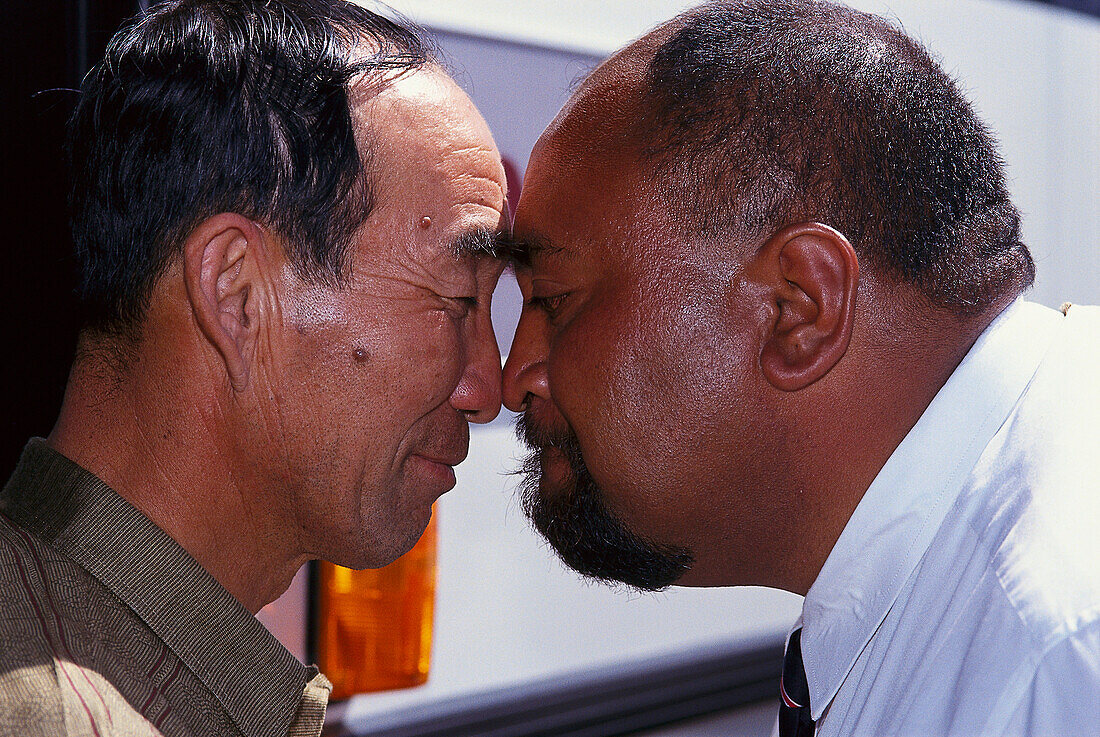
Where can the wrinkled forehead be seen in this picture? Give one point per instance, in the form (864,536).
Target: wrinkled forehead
(423,138)
(422,107)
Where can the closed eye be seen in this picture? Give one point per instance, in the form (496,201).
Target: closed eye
(459,306)
(550,305)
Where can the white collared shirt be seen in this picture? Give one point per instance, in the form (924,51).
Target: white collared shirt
(963,597)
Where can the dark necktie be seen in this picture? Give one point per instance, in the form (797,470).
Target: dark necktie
(794,693)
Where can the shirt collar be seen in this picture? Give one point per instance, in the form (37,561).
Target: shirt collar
(211,632)
(904,507)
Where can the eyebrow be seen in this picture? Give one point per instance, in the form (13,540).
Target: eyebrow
(480,242)
(521,250)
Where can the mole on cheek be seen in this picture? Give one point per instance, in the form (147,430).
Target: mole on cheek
(360,355)
(425,222)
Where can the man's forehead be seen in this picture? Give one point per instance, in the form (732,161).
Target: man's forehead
(576,201)
(586,168)
(433,163)
(609,99)
(424,99)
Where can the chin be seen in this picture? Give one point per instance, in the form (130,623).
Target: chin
(363,560)
(693,577)
(360,549)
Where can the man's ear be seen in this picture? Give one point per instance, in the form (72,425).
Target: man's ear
(222,258)
(813,273)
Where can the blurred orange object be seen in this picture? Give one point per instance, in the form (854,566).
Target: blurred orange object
(374,627)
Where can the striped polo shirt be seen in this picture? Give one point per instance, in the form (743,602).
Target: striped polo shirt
(109,627)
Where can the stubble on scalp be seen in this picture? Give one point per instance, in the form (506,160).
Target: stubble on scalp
(576,522)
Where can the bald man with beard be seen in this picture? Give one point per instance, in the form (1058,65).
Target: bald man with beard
(773,335)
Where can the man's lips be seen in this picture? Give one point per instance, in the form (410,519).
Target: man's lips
(438,470)
(443,459)
(554,469)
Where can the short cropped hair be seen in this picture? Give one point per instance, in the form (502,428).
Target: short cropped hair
(767,112)
(208,106)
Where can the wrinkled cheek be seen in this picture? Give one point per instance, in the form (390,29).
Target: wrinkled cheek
(437,360)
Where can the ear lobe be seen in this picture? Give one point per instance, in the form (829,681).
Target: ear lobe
(815,276)
(220,257)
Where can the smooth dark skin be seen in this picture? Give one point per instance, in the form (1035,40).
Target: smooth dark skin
(733,398)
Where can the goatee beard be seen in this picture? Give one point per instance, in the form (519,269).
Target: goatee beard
(574,519)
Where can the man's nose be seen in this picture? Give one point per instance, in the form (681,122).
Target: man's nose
(478,392)
(525,372)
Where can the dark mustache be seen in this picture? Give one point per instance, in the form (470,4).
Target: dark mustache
(538,438)
(580,528)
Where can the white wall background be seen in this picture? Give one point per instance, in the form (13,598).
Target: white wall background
(506,609)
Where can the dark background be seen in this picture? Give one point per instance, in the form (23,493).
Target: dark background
(47,46)
(1085,6)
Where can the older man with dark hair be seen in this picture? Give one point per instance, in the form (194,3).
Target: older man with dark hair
(285,213)
(773,336)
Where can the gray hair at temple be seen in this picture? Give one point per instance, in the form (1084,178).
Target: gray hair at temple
(208,106)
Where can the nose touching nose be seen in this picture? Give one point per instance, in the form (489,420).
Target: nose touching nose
(485,383)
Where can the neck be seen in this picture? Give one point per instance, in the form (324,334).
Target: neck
(857,419)
(150,439)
